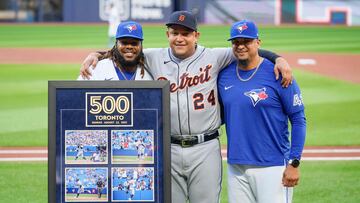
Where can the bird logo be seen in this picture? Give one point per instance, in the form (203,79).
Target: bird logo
(131,27)
(242,27)
(257,95)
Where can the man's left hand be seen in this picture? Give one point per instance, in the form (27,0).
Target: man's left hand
(291,176)
(283,67)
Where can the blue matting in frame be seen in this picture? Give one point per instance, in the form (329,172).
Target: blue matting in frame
(109,141)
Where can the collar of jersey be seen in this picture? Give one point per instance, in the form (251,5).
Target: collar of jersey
(198,51)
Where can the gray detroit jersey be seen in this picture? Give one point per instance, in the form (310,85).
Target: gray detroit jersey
(193,85)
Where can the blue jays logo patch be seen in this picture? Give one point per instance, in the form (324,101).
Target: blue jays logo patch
(131,27)
(242,27)
(256,95)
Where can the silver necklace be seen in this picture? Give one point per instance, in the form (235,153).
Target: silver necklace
(123,74)
(252,75)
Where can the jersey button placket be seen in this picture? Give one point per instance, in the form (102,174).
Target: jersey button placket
(183,101)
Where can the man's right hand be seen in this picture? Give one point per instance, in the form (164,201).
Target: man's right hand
(91,60)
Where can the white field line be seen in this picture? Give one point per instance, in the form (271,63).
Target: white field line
(224,159)
(330,158)
(23,151)
(223,151)
(325,151)
(323,158)
(24,159)
(331,150)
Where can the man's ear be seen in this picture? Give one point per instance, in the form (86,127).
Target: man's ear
(197,35)
(259,42)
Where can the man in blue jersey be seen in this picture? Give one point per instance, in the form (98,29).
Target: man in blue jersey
(262,162)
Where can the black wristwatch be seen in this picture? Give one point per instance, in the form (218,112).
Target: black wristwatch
(294,162)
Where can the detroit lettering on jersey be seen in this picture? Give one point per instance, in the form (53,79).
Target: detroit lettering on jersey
(189,81)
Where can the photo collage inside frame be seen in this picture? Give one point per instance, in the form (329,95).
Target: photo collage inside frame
(86,184)
(91,154)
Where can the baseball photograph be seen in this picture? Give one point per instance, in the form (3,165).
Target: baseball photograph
(262,101)
(132,184)
(86,146)
(86,184)
(132,146)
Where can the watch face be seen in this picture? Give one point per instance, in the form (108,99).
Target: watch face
(295,163)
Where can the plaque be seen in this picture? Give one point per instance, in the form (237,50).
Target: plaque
(109,141)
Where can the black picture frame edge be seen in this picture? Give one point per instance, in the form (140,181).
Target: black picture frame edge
(51,141)
(109,84)
(166,140)
(53,85)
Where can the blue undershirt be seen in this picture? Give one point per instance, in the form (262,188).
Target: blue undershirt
(121,74)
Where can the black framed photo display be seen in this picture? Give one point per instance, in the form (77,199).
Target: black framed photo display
(109,141)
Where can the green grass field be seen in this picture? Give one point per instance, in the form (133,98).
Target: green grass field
(332,106)
(312,38)
(132,160)
(321,182)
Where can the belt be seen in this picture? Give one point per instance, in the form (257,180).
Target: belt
(193,140)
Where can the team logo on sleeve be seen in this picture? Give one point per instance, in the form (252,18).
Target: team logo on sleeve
(297,101)
(256,95)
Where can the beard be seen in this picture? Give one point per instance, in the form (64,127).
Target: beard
(243,63)
(126,64)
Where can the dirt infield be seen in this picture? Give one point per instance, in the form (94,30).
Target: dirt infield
(340,66)
(42,55)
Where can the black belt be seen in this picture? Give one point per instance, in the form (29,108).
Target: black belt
(193,140)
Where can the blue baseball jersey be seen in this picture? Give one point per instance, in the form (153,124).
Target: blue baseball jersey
(256,114)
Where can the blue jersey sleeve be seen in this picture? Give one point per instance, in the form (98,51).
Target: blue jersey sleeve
(298,133)
(291,98)
(294,108)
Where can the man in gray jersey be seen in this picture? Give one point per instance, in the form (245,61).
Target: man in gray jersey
(192,70)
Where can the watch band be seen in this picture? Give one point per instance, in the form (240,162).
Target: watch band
(294,162)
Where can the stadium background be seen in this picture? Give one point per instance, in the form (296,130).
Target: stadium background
(43,40)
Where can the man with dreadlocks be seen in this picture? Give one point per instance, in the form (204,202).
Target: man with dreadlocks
(125,61)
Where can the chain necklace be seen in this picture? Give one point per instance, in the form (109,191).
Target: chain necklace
(123,74)
(252,75)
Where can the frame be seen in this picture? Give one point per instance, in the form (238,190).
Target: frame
(109,141)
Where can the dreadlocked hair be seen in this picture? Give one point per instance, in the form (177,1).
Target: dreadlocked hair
(142,64)
(115,56)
